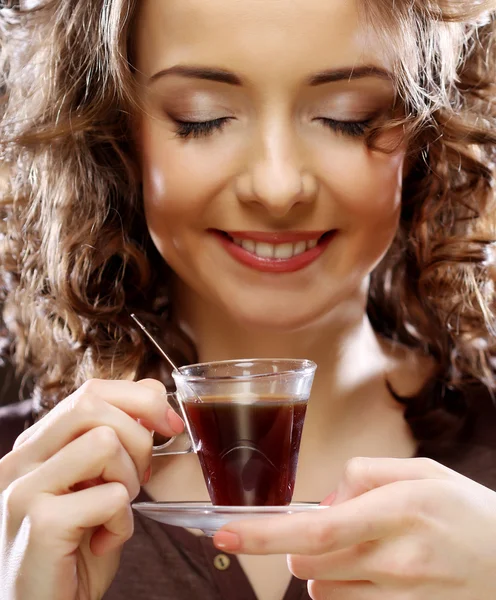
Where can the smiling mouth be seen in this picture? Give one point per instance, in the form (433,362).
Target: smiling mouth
(283,250)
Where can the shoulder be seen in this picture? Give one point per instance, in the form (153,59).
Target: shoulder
(408,370)
(473,453)
(14,419)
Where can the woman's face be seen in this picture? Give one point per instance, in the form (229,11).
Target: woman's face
(259,190)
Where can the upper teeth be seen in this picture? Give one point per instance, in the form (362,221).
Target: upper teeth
(282,251)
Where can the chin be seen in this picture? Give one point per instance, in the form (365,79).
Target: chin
(277,320)
(297,311)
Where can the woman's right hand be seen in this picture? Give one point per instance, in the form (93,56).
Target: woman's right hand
(66,488)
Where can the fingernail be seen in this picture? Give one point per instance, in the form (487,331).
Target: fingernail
(329,499)
(147,475)
(226,540)
(175,421)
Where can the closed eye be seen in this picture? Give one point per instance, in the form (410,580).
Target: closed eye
(198,129)
(350,128)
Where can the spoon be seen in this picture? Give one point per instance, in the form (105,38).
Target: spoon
(154,342)
(162,351)
(165,355)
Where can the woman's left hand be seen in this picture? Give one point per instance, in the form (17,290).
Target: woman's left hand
(397,529)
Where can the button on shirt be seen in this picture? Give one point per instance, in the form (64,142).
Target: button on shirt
(161,562)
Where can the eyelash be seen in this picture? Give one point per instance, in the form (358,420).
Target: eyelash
(199,129)
(353,129)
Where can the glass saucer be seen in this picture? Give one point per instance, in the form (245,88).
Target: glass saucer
(209,518)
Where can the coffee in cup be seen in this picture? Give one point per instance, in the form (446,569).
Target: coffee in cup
(244,420)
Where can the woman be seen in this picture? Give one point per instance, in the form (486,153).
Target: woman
(303,179)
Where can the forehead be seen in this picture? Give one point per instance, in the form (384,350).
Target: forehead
(271,35)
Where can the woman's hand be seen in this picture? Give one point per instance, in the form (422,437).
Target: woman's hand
(397,529)
(66,487)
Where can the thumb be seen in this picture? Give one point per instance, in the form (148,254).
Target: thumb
(363,474)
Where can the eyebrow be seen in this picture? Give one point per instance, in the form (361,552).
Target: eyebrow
(193,72)
(223,76)
(348,74)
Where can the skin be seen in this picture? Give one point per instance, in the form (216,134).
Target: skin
(395,529)
(66,489)
(275,166)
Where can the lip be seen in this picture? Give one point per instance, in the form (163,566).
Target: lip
(275,265)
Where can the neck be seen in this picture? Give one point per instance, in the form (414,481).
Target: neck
(343,345)
(350,412)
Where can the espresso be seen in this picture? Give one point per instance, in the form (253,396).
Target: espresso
(248,448)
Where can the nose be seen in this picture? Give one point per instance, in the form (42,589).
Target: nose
(276,178)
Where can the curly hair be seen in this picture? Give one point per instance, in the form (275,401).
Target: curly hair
(76,256)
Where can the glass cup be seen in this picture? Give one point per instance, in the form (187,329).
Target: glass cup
(244,419)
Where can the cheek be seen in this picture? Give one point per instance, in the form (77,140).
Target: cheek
(180,176)
(169,187)
(368,198)
(179,179)
(368,185)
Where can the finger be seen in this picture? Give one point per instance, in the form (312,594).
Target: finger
(364,474)
(372,516)
(175,421)
(140,400)
(68,426)
(98,454)
(65,423)
(145,400)
(63,520)
(335,590)
(349,564)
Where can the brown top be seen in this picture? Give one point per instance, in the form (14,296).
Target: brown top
(161,562)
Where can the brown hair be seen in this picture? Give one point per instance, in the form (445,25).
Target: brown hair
(72,271)
(435,288)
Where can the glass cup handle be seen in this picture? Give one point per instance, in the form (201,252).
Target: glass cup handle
(179,444)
